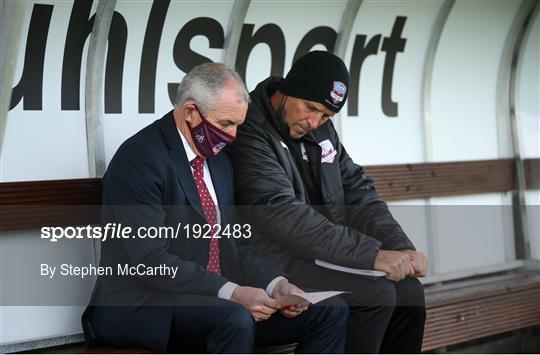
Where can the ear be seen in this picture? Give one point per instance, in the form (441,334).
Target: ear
(187,111)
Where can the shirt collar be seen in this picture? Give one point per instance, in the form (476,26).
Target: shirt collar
(189,152)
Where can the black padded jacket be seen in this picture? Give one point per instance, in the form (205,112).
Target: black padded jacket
(271,195)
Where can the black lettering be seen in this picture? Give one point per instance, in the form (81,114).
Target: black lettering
(361,51)
(391,45)
(270,34)
(79,29)
(184,57)
(114,70)
(152,39)
(30,87)
(319,35)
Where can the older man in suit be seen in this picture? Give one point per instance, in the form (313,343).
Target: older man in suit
(224,297)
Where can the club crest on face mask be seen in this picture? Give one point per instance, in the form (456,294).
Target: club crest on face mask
(208,139)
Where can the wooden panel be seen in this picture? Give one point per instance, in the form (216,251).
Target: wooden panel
(394,182)
(481,286)
(474,309)
(34,204)
(477,319)
(532,173)
(52,192)
(410,181)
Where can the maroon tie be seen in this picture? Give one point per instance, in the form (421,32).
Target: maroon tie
(210,213)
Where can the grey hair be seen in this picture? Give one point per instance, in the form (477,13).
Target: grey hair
(204,83)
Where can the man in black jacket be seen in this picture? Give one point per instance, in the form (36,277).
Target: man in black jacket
(307,200)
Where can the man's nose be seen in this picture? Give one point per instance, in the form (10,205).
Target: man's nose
(314,121)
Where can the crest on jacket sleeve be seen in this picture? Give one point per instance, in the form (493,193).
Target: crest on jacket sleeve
(328,152)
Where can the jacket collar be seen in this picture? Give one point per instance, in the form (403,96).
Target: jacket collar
(179,159)
(261,97)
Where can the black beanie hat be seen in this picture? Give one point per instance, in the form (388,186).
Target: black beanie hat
(318,76)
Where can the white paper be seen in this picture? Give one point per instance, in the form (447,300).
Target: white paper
(311,297)
(372,273)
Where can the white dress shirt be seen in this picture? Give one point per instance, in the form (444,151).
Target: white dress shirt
(226,290)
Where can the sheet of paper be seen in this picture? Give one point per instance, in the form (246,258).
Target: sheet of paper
(372,273)
(311,297)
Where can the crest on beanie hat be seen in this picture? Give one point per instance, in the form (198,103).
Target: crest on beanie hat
(318,76)
(338,92)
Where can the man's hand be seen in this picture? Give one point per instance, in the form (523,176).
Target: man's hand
(396,263)
(284,288)
(256,301)
(419,262)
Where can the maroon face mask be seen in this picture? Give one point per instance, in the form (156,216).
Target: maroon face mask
(208,139)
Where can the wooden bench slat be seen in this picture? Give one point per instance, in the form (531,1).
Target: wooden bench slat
(393,182)
(473,309)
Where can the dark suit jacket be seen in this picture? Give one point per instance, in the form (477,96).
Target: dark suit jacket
(149,182)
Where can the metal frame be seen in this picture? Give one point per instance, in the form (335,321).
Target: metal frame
(342,41)
(94,87)
(427,76)
(234,31)
(508,140)
(11,14)
(94,95)
(522,25)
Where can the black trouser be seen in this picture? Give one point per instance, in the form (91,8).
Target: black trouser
(209,324)
(222,326)
(385,316)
